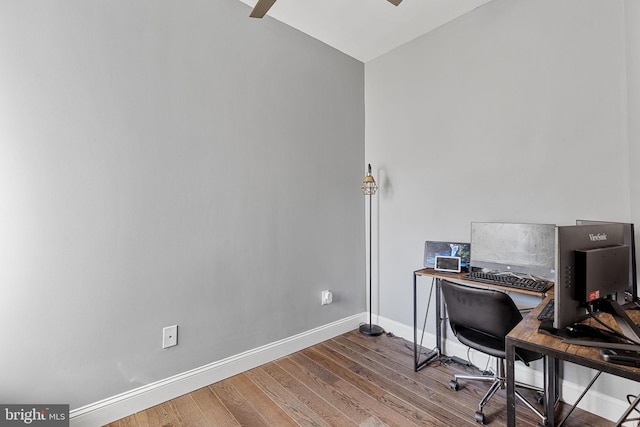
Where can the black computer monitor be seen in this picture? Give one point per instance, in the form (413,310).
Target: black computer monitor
(438,248)
(631,292)
(527,249)
(592,264)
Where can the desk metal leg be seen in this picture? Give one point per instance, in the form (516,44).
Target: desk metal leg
(550,368)
(439,318)
(628,411)
(417,364)
(416,353)
(511,385)
(575,405)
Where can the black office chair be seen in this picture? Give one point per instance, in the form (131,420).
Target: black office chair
(481,319)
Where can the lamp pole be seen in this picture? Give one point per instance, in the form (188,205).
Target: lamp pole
(369,188)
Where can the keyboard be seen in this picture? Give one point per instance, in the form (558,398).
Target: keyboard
(548,310)
(510,280)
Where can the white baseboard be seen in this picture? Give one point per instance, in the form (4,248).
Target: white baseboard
(125,404)
(595,402)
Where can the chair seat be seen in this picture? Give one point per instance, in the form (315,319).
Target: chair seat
(492,346)
(482,342)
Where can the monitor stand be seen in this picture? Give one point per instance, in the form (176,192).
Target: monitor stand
(627,326)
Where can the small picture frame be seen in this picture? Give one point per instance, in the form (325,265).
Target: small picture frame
(448,264)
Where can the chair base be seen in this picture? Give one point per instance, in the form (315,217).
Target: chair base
(497,382)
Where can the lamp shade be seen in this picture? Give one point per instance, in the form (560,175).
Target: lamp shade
(369,186)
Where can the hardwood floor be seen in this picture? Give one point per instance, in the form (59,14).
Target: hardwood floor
(350,380)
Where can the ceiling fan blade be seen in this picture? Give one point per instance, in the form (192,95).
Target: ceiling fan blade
(262,7)
(395,2)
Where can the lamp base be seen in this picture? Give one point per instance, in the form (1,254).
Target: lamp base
(371,330)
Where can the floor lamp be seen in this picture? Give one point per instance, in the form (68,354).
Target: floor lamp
(369,188)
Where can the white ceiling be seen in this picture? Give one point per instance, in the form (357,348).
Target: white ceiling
(365,29)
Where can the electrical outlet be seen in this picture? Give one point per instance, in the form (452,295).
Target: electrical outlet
(169,336)
(327,297)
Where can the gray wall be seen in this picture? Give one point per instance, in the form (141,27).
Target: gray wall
(514,112)
(632,25)
(165,163)
(521,111)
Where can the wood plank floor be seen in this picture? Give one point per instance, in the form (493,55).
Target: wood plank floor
(350,380)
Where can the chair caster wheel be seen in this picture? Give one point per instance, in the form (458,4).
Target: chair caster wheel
(540,399)
(479,417)
(453,384)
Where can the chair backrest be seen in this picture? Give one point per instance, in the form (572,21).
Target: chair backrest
(488,311)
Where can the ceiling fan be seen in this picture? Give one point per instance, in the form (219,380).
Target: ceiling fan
(262,7)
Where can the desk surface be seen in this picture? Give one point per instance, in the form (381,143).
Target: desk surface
(525,335)
(459,278)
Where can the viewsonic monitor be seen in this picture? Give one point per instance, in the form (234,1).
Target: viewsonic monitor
(592,263)
(631,292)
